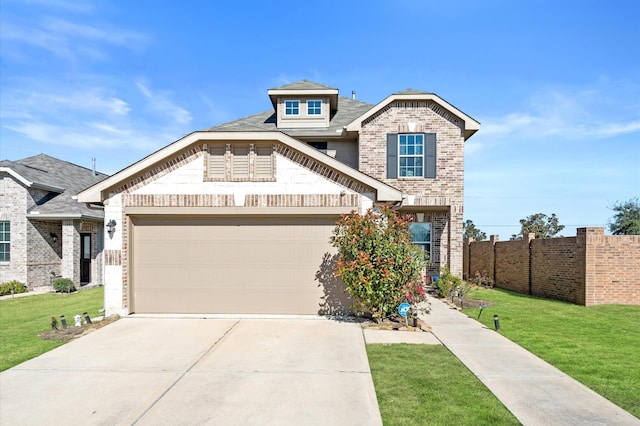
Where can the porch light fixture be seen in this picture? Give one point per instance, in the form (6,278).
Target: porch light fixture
(54,236)
(111,226)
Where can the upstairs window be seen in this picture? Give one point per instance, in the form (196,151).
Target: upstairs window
(291,107)
(410,158)
(411,155)
(5,241)
(314,107)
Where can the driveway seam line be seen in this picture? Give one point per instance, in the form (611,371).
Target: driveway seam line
(184,373)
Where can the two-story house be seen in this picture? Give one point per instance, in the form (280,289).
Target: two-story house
(44,231)
(237,218)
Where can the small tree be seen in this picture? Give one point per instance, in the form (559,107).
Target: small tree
(379,265)
(541,225)
(626,221)
(473,233)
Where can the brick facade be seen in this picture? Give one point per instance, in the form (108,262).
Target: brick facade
(35,257)
(589,269)
(445,190)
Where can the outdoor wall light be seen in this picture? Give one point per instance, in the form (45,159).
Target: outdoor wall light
(111,226)
(54,236)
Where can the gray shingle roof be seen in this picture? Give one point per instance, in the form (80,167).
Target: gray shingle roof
(304,85)
(348,110)
(412,92)
(49,172)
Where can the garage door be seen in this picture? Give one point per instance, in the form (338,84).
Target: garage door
(228,265)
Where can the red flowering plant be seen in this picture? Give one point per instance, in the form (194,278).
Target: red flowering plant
(377,262)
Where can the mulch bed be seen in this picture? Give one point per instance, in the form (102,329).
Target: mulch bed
(73,332)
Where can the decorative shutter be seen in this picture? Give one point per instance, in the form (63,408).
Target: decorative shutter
(430,155)
(392,155)
(264,162)
(216,162)
(240,163)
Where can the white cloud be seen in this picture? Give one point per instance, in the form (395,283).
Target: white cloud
(569,115)
(90,117)
(66,39)
(160,102)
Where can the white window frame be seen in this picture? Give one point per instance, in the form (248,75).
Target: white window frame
(6,233)
(414,156)
(286,107)
(309,113)
(426,245)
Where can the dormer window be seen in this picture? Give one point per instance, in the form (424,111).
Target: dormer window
(292,108)
(314,107)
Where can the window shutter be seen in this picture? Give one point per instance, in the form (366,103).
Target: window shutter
(240,164)
(392,155)
(430,155)
(216,162)
(264,162)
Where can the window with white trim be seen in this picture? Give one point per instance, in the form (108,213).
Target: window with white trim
(314,107)
(291,107)
(410,155)
(5,241)
(421,236)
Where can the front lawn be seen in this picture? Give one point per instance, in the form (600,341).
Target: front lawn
(428,385)
(22,318)
(599,345)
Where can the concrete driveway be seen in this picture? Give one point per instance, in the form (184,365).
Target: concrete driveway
(188,371)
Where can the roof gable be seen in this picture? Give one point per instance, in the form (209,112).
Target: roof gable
(100,192)
(305,88)
(470,124)
(60,178)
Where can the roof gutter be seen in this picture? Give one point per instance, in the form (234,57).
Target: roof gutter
(30,184)
(62,216)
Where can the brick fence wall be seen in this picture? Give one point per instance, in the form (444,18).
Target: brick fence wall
(588,269)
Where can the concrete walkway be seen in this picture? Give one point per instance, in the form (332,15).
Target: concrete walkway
(534,391)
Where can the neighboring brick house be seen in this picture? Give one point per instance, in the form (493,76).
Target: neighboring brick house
(44,231)
(237,218)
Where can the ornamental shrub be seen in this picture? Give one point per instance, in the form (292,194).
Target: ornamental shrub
(449,284)
(63,285)
(379,265)
(16,286)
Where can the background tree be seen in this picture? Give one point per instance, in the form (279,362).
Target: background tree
(472,232)
(379,265)
(626,220)
(541,225)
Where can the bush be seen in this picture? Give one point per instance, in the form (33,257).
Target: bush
(448,283)
(16,286)
(63,285)
(482,280)
(377,262)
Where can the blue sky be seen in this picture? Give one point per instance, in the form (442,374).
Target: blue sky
(555,84)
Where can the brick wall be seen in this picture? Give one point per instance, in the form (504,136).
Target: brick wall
(589,269)
(481,257)
(512,264)
(43,254)
(14,199)
(448,186)
(612,273)
(555,269)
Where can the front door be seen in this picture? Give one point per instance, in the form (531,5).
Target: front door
(85,258)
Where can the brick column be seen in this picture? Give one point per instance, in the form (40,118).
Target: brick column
(70,266)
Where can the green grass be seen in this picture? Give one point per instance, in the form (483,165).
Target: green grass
(22,318)
(599,346)
(428,385)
